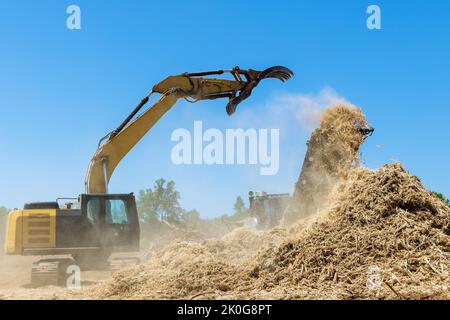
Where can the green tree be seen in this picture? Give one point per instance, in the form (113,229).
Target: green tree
(191,215)
(160,203)
(442,197)
(239,206)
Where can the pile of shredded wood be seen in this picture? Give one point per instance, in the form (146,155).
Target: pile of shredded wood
(332,152)
(338,139)
(381,235)
(186,268)
(385,237)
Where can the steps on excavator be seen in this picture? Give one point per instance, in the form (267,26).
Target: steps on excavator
(50,272)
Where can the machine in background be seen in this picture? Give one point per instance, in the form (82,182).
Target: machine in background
(268,209)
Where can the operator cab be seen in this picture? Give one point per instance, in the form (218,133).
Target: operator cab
(113,219)
(268,209)
(107,221)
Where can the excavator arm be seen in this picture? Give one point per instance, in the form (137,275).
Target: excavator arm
(190,86)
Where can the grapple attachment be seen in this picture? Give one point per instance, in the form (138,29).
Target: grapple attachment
(190,86)
(278,72)
(197,86)
(253,78)
(237,91)
(366,131)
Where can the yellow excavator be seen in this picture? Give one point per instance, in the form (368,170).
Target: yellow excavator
(85,231)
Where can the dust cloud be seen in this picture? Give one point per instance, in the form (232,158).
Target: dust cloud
(332,151)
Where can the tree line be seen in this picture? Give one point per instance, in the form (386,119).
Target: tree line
(162,203)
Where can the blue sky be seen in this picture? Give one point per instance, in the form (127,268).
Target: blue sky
(61,90)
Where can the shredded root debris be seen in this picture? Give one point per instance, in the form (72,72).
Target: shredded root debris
(381,235)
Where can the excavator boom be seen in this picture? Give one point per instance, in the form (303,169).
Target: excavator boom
(98,224)
(190,86)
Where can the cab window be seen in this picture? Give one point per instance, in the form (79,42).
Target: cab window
(93,210)
(116,212)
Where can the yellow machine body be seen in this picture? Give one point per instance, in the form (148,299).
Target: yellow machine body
(30,229)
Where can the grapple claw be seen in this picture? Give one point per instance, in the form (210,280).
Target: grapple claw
(196,87)
(253,78)
(278,72)
(230,108)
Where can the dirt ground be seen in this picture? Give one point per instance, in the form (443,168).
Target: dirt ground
(15,280)
(14,271)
